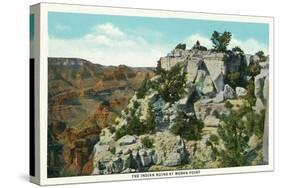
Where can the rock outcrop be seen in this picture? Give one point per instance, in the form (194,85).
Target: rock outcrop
(117,157)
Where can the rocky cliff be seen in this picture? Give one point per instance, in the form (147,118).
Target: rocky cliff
(202,110)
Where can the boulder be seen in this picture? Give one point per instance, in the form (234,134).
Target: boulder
(204,83)
(126,140)
(204,108)
(240,91)
(228,92)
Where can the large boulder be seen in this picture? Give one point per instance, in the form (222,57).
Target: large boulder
(228,92)
(240,91)
(127,140)
(204,83)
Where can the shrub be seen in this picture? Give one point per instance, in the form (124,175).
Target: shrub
(144,88)
(120,132)
(136,127)
(253,70)
(214,139)
(181,46)
(250,97)
(237,49)
(234,79)
(198,46)
(112,129)
(228,104)
(261,55)
(188,128)
(150,124)
(147,142)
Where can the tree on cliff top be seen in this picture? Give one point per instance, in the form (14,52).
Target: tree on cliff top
(198,46)
(220,40)
(181,46)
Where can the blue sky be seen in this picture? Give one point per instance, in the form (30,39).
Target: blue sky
(140,40)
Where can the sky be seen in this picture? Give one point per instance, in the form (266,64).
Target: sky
(141,41)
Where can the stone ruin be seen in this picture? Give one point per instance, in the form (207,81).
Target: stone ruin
(215,64)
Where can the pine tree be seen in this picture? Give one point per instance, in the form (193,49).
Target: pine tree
(220,41)
(150,120)
(188,128)
(235,132)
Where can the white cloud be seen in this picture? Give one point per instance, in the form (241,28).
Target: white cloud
(62,27)
(249,46)
(108,45)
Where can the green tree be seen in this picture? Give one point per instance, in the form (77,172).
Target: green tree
(234,79)
(188,128)
(181,46)
(220,41)
(171,83)
(149,124)
(234,133)
(235,141)
(237,49)
(145,86)
(147,142)
(261,55)
(134,126)
(198,46)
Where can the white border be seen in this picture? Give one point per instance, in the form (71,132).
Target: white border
(53,7)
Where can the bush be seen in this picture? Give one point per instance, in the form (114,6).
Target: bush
(150,124)
(147,142)
(188,128)
(136,127)
(181,46)
(144,88)
(136,104)
(261,55)
(112,129)
(235,79)
(198,46)
(214,139)
(250,97)
(254,122)
(253,70)
(237,49)
(228,104)
(120,133)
